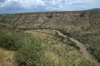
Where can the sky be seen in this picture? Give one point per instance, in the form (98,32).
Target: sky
(20,6)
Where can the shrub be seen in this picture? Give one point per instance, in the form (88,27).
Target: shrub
(7,40)
(30,53)
(59,37)
(28,49)
(95,53)
(66,33)
(67,41)
(73,45)
(11,40)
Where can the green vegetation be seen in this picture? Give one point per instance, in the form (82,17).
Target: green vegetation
(59,37)
(66,33)
(95,52)
(67,41)
(9,40)
(30,53)
(92,41)
(27,48)
(34,51)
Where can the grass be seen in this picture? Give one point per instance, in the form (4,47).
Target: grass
(5,55)
(32,50)
(2,54)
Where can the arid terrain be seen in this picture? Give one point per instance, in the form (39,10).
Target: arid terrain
(50,39)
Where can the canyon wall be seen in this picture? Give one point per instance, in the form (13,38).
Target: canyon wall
(76,21)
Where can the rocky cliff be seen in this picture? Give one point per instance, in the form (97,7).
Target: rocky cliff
(75,21)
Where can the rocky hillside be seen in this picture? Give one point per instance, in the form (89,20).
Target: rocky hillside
(83,26)
(55,20)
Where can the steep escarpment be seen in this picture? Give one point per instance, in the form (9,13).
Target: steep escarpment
(54,20)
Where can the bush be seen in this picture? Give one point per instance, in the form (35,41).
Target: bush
(67,41)
(7,40)
(30,53)
(73,45)
(66,33)
(59,37)
(28,49)
(95,53)
(11,40)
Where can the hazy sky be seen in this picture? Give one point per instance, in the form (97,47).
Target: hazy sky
(17,6)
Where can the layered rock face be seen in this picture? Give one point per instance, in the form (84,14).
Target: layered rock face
(75,21)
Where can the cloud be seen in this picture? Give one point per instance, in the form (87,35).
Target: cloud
(2,0)
(49,5)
